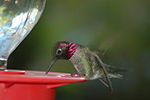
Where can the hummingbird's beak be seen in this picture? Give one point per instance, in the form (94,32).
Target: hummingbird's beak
(52,62)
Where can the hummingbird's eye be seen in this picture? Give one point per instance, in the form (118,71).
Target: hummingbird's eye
(59,51)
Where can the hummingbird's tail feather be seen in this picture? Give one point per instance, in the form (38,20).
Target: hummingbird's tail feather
(119,76)
(113,71)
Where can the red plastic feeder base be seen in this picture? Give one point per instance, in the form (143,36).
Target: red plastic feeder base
(32,85)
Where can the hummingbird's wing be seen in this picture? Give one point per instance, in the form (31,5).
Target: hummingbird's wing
(113,69)
(106,81)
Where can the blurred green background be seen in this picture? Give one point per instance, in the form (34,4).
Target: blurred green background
(119,30)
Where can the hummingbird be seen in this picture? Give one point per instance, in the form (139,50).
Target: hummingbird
(86,62)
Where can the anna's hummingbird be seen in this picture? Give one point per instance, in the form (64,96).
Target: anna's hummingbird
(85,61)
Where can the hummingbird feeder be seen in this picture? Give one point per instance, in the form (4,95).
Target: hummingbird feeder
(32,85)
(17,18)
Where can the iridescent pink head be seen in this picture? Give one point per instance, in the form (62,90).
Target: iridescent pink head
(72,49)
(65,50)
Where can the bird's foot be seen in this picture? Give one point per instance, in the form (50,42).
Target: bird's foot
(76,75)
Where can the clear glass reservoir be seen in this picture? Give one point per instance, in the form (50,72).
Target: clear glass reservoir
(17,18)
